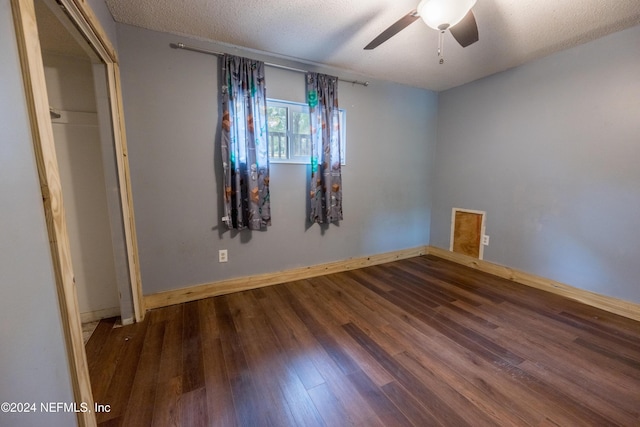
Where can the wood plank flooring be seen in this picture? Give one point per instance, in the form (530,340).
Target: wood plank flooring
(418,342)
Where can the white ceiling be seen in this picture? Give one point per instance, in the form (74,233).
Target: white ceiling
(334,32)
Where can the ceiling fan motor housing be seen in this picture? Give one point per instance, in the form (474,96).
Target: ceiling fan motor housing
(442,14)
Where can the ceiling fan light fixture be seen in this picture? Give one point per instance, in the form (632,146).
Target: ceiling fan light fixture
(442,14)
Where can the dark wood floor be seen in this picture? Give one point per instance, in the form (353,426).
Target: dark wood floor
(420,342)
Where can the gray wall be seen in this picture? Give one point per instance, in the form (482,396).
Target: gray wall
(171,110)
(550,150)
(33,363)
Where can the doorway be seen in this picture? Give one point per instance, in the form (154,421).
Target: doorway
(74,19)
(76,132)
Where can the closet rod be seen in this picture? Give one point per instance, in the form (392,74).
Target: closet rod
(282,67)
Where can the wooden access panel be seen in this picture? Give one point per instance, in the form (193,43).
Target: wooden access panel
(467,228)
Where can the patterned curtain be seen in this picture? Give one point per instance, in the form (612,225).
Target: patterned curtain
(326,176)
(245,159)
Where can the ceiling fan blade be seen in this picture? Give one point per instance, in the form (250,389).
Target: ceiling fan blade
(394,29)
(466,31)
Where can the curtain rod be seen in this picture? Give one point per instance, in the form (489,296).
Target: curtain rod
(282,67)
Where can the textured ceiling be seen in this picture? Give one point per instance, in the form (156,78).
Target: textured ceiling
(334,32)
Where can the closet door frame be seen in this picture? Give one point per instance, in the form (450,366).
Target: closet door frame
(81,15)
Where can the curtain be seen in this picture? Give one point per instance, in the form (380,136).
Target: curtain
(326,176)
(245,158)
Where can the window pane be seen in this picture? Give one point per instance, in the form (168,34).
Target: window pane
(277,122)
(300,145)
(300,121)
(277,118)
(300,141)
(278,145)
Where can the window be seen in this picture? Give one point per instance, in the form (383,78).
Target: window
(289,135)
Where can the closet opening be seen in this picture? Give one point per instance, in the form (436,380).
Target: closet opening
(72,87)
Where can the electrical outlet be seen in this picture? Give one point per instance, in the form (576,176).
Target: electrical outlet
(223,255)
(485,240)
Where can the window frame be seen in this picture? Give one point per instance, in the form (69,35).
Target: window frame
(303,107)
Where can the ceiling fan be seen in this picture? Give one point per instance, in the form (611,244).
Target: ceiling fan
(453,15)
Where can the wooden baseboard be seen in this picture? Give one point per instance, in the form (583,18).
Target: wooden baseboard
(197,292)
(617,306)
(610,304)
(92,316)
